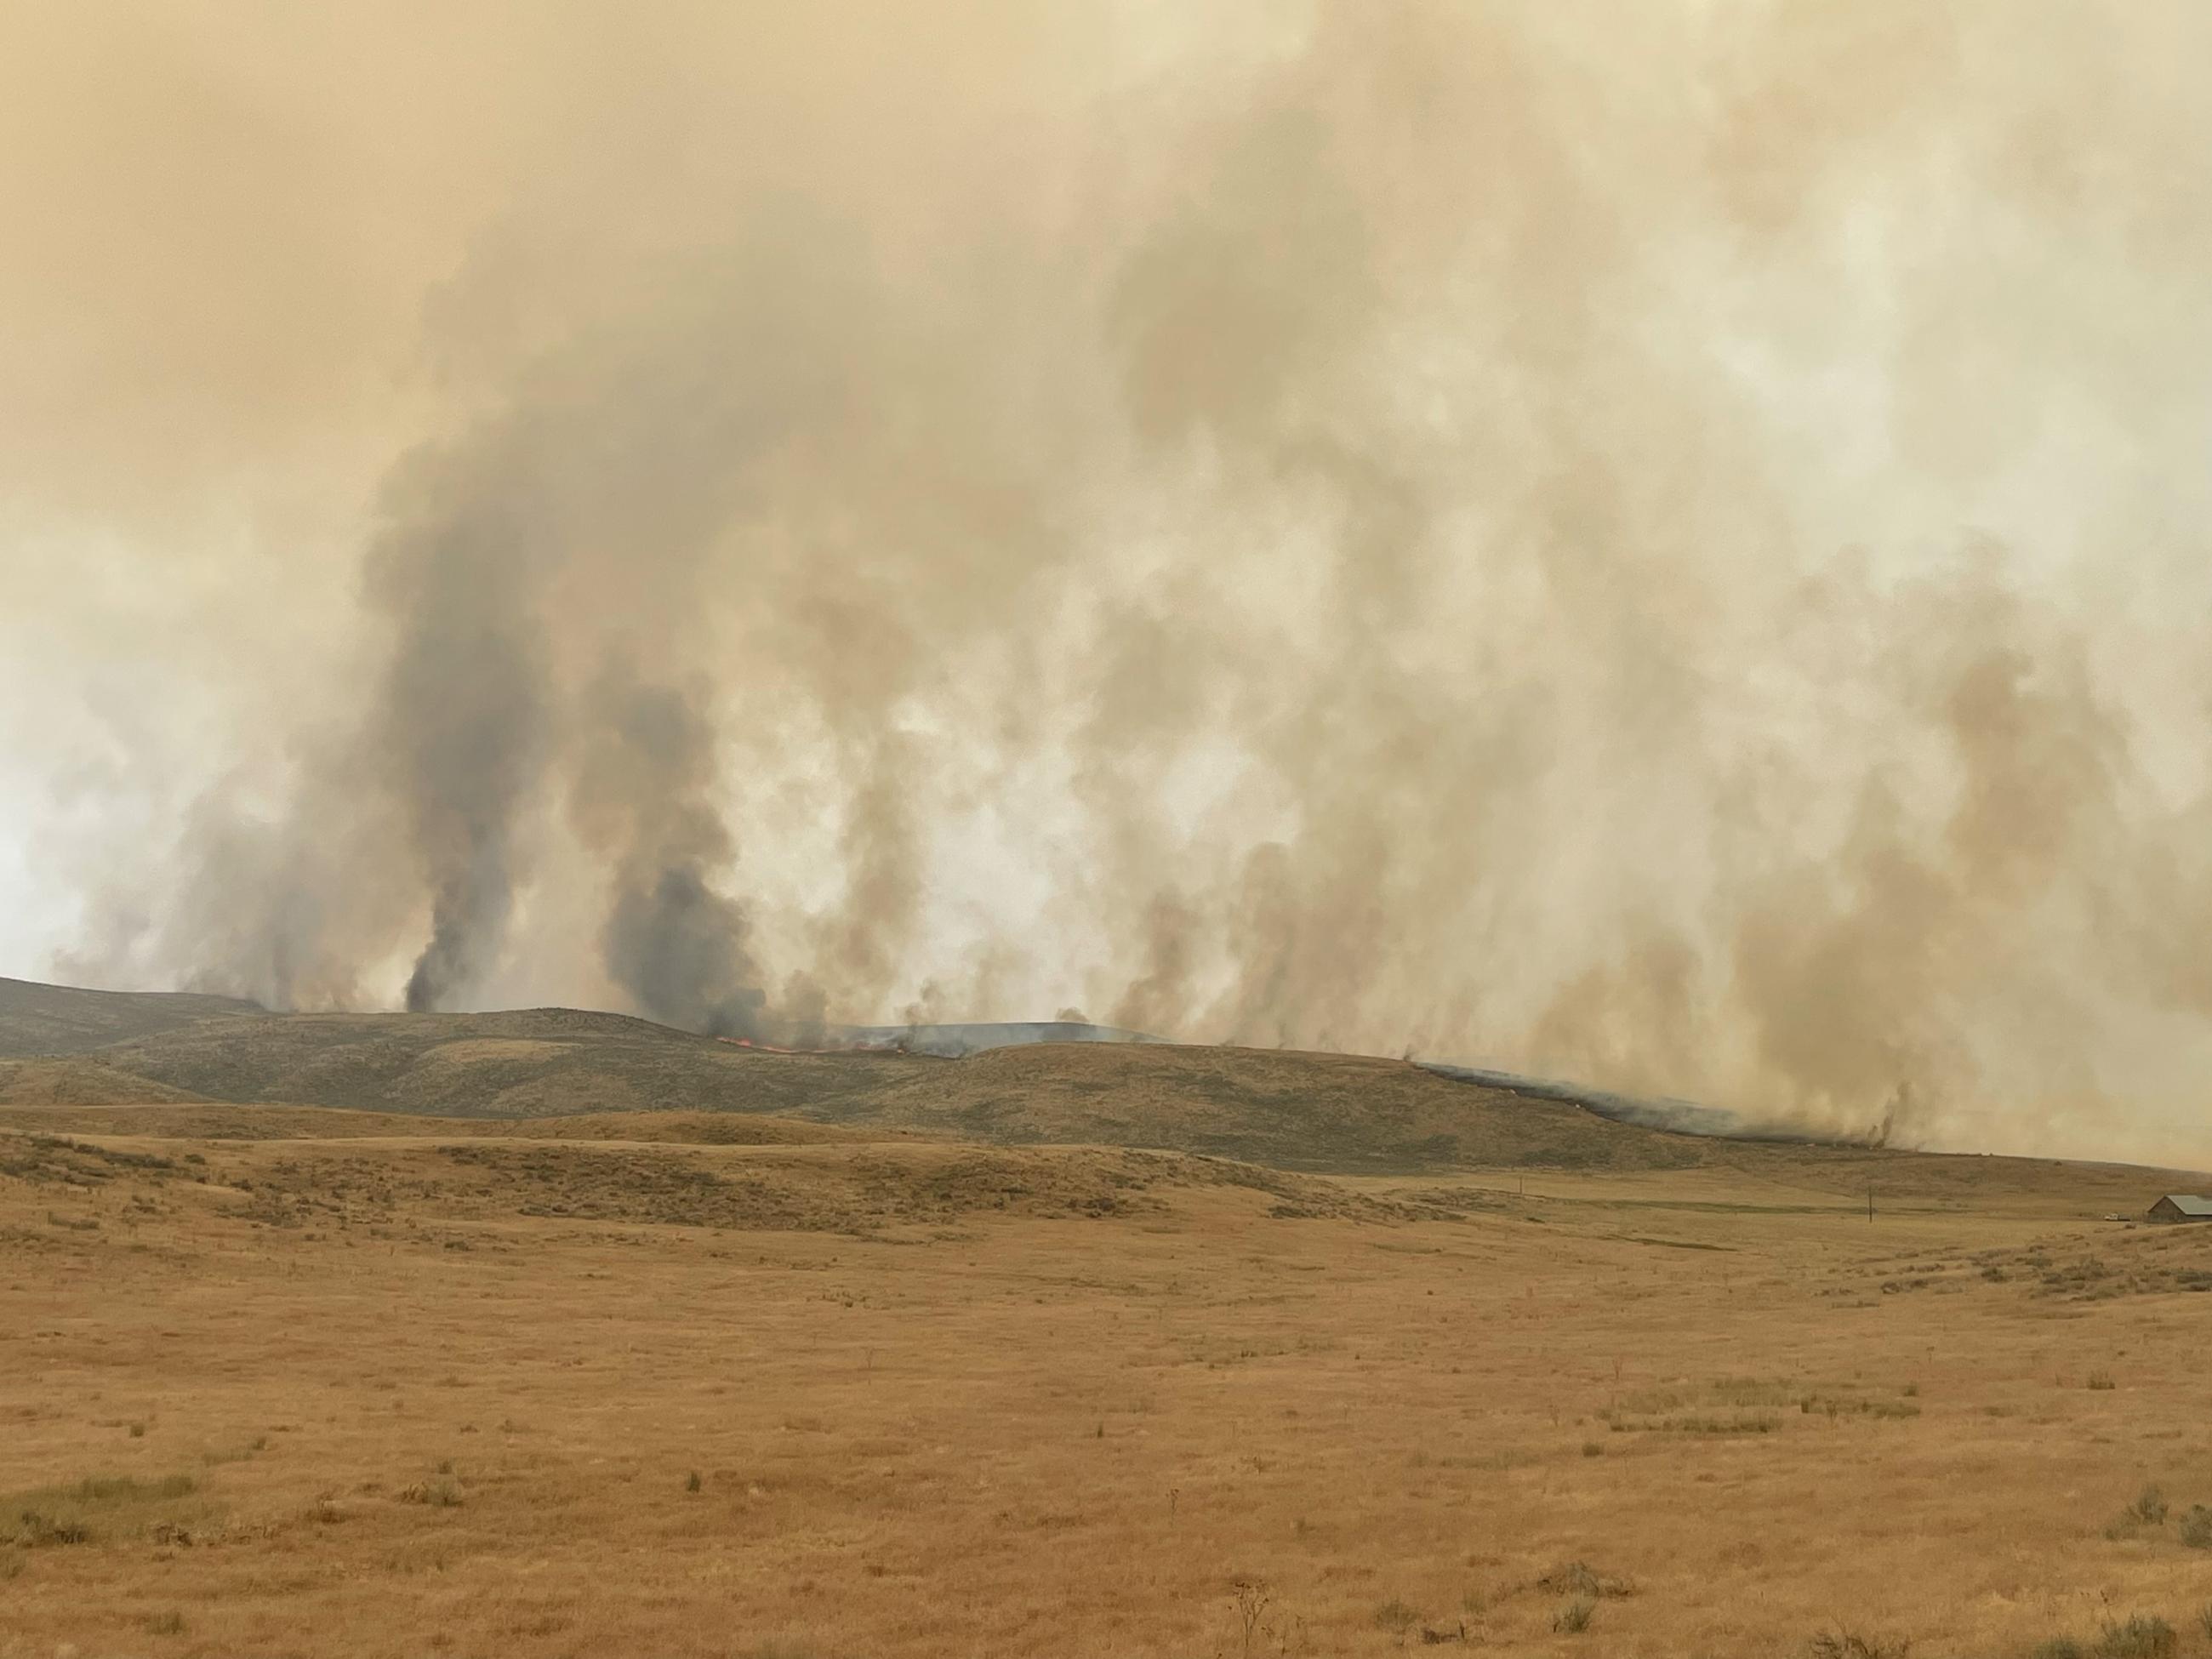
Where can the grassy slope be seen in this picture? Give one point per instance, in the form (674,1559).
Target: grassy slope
(59,1020)
(74,1080)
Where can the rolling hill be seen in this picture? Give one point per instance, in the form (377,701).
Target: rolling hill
(1315,1113)
(40,1020)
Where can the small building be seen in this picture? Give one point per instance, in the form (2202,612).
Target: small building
(2181,1206)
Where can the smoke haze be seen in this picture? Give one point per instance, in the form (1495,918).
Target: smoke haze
(1664,545)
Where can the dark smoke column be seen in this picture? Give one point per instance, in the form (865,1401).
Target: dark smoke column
(643,796)
(462,734)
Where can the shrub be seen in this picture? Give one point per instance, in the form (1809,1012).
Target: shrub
(2149,1507)
(2101,1381)
(1575,1617)
(63,1514)
(122,1489)
(166,1624)
(1396,1617)
(1253,1597)
(1592,1449)
(37,1531)
(693,1483)
(2196,1528)
(2060,1647)
(1578,1578)
(2143,1635)
(1849,1644)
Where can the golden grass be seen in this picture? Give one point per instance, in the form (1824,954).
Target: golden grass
(938,1401)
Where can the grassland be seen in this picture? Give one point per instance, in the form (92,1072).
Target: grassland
(561,1334)
(412,1386)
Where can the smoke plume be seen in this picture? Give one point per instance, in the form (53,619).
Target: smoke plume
(643,803)
(1662,546)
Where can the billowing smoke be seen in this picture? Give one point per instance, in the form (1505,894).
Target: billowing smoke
(1658,546)
(644,803)
(460,730)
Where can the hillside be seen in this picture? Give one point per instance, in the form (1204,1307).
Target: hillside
(1308,1112)
(527,1063)
(73,1080)
(1293,1110)
(1315,1112)
(62,1020)
(952,1039)
(195,1120)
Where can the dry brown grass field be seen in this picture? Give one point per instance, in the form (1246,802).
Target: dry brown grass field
(410,1385)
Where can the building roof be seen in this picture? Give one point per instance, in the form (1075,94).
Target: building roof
(2188,1203)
